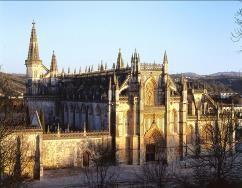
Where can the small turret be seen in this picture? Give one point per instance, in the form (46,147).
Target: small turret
(101,66)
(53,66)
(135,63)
(120,63)
(165,64)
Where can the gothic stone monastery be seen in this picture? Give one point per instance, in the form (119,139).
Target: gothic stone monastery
(140,109)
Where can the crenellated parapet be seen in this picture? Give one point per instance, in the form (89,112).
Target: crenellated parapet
(151,67)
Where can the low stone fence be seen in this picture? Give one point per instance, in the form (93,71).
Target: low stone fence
(74,135)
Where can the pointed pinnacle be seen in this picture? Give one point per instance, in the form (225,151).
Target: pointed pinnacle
(33,23)
(165,57)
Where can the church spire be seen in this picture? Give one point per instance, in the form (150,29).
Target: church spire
(33,53)
(120,63)
(53,66)
(34,67)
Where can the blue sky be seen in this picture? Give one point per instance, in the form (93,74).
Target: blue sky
(196,35)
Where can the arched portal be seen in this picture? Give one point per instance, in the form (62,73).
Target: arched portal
(153,140)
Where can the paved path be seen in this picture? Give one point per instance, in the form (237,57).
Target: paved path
(63,178)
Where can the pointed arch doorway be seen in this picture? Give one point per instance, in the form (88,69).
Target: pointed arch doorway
(153,143)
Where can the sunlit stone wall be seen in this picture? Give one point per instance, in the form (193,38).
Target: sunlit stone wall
(22,150)
(67,149)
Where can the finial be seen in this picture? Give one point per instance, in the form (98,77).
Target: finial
(33,23)
(53,52)
(119,50)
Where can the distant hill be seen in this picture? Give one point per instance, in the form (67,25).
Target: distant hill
(12,84)
(233,84)
(230,74)
(217,74)
(188,74)
(218,82)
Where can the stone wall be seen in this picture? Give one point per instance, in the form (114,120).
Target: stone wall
(23,149)
(67,149)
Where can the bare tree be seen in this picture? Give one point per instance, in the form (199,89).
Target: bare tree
(237,34)
(154,173)
(102,172)
(217,163)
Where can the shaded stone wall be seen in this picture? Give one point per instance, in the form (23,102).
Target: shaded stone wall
(72,114)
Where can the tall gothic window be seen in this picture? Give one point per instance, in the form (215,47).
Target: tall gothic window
(150,94)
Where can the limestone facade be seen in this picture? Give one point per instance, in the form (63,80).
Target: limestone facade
(140,106)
